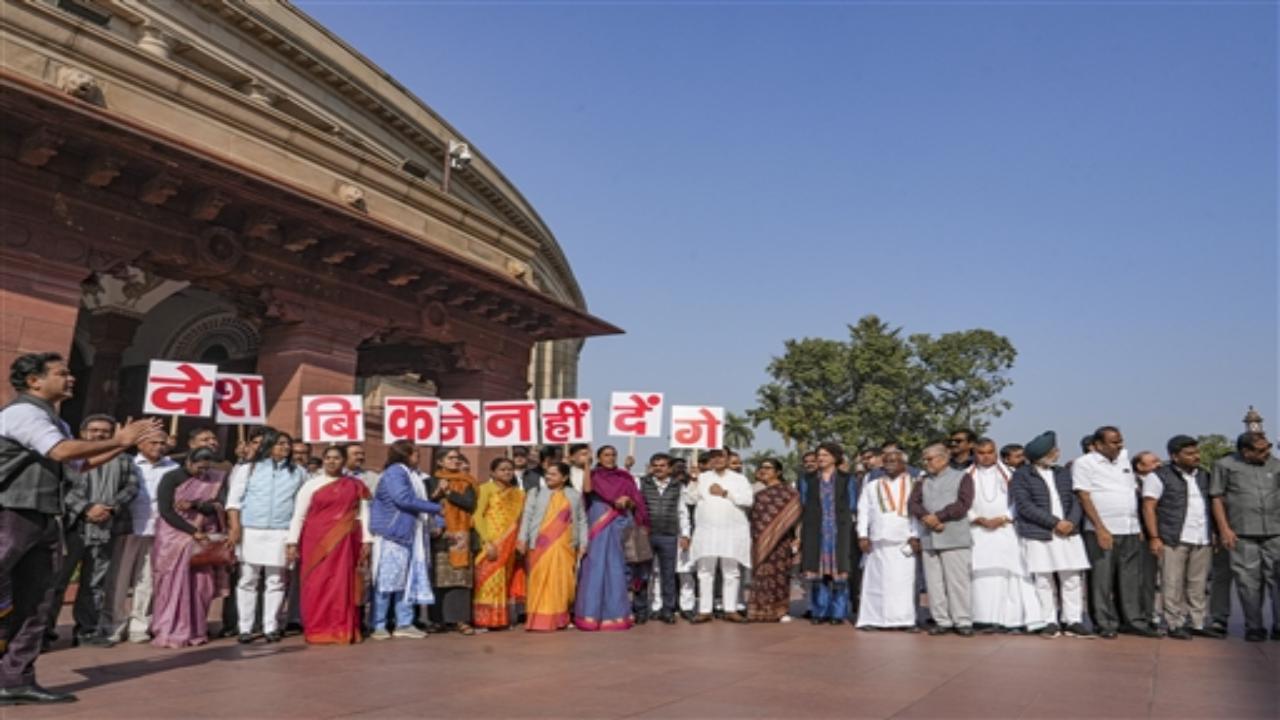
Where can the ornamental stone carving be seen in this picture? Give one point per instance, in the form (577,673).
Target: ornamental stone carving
(351,196)
(217,251)
(78,83)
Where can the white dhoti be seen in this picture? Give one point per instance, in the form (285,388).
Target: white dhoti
(888,586)
(1002,591)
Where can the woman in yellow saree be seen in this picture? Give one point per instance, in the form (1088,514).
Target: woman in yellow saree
(499,579)
(553,536)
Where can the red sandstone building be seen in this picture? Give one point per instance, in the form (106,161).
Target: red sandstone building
(229,182)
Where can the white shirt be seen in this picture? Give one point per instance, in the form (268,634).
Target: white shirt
(29,426)
(1112,487)
(882,510)
(1195,528)
(721,528)
(237,485)
(143,507)
(302,503)
(576,475)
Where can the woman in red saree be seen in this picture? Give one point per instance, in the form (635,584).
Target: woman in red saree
(499,580)
(328,538)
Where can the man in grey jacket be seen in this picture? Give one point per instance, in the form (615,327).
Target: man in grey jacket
(97,504)
(941,502)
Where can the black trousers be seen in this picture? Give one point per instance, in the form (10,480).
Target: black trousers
(90,611)
(30,558)
(1116,580)
(855,579)
(665,548)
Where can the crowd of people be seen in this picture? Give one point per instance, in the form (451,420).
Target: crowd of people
(999,540)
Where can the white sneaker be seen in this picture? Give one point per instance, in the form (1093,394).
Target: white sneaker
(785,619)
(380,634)
(410,632)
(139,639)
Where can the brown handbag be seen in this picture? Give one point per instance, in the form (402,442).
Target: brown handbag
(213,553)
(635,544)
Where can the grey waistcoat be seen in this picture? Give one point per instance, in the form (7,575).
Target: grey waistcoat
(937,493)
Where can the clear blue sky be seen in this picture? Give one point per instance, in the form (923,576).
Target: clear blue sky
(1097,181)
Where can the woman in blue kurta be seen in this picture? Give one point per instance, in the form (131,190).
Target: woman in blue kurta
(614,503)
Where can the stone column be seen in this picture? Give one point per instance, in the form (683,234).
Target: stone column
(39,302)
(110,334)
(297,359)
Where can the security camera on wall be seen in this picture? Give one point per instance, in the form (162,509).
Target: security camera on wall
(459,155)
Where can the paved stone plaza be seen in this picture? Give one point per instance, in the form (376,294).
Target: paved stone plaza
(656,671)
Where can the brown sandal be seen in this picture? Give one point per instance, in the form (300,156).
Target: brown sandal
(465,629)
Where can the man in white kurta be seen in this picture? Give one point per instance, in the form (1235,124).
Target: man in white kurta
(721,536)
(1003,594)
(889,539)
(686,566)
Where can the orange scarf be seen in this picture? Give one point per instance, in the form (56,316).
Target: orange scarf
(457,522)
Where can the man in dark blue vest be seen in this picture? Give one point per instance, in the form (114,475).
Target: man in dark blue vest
(1176,512)
(34,445)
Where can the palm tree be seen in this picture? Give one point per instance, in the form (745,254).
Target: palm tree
(738,433)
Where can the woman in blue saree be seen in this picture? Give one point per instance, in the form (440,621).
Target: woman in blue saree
(614,504)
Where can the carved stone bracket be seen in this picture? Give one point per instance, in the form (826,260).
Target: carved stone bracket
(209,204)
(159,189)
(39,146)
(100,170)
(261,225)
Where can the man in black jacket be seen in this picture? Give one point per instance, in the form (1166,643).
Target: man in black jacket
(97,513)
(1048,521)
(669,519)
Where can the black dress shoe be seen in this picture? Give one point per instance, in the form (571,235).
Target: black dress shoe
(1275,633)
(274,637)
(1180,634)
(938,630)
(1209,632)
(1255,635)
(964,631)
(836,621)
(33,695)
(244,639)
(1145,631)
(1108,634)
(817,621)
(668,618)
(101,641)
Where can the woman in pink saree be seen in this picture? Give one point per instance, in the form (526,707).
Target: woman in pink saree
(189,500)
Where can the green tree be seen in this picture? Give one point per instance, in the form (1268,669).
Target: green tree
(738,432)
(879,385)
(1213,448)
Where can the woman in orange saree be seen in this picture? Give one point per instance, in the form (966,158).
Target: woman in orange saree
(328,538)
(499,580)
(553,536)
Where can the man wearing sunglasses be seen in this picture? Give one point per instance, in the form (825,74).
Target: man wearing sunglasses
(960,447)
(1246,508)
